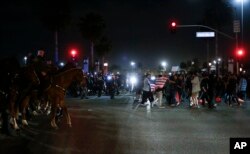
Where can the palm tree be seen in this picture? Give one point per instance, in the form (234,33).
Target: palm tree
(55,15)
(92,27)
(103,47)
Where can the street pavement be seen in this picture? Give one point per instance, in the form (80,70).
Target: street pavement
(119,126)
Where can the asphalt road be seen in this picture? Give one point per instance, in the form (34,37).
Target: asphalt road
(105,126)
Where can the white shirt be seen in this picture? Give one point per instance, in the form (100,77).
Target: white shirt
(195,84)
(146,85)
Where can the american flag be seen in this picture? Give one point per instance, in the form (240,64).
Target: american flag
(160,82)
(152,86)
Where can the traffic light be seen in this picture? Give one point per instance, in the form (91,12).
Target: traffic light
(173,24)
(240,53)
(172,27)
(73,53)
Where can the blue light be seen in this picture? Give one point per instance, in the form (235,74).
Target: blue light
(109,77)
(61,64)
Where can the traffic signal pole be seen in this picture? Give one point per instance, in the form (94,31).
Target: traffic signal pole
(216,37)
(203,26)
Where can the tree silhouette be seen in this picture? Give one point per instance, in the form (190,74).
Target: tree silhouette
(55,15)
(92,27)
(103,47)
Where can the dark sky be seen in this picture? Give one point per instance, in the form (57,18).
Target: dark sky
(138,30)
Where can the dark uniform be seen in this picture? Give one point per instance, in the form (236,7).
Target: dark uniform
(42,70)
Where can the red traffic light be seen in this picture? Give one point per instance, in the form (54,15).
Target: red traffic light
(173,24)
(73,52)
(240,52)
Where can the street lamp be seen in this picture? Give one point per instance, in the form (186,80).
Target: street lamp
(132,63)
(25,58)
(61,64)
(105,64)
(218,67)
(105,68)
(209,67)
(216,63)
(164,65)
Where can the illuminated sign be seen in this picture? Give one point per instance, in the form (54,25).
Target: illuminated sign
(205,34)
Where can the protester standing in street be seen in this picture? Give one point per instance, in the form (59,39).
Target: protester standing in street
(211,91)
(159,83)
(242,87)
(195,90)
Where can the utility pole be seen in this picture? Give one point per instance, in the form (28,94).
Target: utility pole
(56,47)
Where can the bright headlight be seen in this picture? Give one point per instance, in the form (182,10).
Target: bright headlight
(109,77)
(133,80)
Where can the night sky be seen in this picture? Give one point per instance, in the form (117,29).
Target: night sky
(138,30)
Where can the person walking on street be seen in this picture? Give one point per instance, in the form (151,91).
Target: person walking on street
(195,90)
(231,90)
(159,83)
(211,91)
(204,89)
(242,88)
(147,93)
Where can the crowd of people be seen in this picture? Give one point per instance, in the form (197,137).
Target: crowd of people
(98,84)
(196,89)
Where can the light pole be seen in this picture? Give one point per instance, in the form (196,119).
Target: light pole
(242,18)
(218,66)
